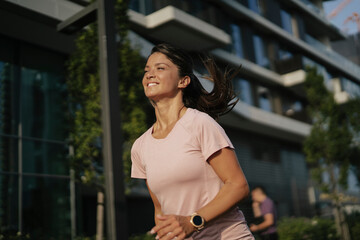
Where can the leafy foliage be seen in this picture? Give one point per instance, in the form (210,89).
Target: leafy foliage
(84,92)
(333,136)
(17,236)
(306,228)
(144,236)
(353,220)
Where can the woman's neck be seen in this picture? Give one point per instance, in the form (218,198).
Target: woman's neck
(168,112)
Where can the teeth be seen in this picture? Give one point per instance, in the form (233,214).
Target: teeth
(151,84)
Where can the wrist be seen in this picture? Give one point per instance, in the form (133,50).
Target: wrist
(197,221)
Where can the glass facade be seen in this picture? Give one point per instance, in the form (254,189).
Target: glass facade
(286,21)
(257,6)
(237,44)
(264,99)
(352,88)
(243,89)
(34,166)
(260,50)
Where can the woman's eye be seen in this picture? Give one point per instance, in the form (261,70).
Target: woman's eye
(161,68)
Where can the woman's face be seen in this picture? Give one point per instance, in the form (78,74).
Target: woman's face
(161,79)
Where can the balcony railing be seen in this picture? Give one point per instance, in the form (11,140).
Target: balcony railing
(346,64)
(314,8)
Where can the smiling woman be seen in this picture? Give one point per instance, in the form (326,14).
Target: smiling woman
(186,158)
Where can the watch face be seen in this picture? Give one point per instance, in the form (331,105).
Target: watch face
(197,220)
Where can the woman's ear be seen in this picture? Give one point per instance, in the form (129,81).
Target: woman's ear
(184,82)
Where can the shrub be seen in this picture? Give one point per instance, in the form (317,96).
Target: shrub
(306,229)
(144,236)
(353,221)
(16,236)
(355,231)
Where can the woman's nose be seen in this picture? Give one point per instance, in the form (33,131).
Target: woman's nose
(149,74)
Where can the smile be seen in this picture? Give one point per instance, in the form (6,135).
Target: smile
(152,84)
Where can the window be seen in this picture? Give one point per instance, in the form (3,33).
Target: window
(264,99)
(257,6)
(284,54)
(286,21)
(291,106)
(352,88)
(236,40)
(260,50)
(33,129)
(244,91)
(46,207)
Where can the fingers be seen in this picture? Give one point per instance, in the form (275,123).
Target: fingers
(163,223)
(168,228)
(177,234)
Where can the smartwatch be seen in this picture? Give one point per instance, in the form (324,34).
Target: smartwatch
(197,221)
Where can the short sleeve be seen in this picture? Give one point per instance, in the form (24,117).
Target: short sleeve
(212,136)
(137,167)
(267,207)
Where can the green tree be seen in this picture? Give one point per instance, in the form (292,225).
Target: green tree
(332,140)
(85,116)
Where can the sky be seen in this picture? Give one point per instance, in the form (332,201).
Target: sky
(348,10)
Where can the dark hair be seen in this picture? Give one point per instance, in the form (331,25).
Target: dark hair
(262,188)
(220,100)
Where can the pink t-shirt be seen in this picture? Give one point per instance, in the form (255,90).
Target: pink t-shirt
(176,167)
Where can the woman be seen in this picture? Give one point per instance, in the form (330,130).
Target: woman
(191,170)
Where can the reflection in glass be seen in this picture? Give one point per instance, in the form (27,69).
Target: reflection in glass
(291,107)
(44,157)
(257,6)
(9,95)
(32,132)
(42,104)
(236,40)
(8,154)
(286,21)
(352,88)
(9,203)
(261,57)
(284,54)
(46,208)
(264,99)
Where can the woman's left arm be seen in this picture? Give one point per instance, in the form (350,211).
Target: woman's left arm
(235,188)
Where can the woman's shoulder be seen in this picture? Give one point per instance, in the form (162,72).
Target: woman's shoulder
(196,121)
(199,117)
(140,140)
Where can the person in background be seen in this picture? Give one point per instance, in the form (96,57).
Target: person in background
(264,207)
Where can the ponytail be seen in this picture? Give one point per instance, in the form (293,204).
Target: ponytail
(216,103)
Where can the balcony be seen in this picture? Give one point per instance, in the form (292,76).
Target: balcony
(296,80)
(175,26)
(346,64)
(246,117)
(316,18)
(326,57)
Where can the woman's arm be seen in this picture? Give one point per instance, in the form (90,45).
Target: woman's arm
(235,188)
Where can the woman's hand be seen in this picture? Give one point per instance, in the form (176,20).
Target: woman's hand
(172,227)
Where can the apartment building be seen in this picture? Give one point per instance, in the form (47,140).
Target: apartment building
(273,41)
